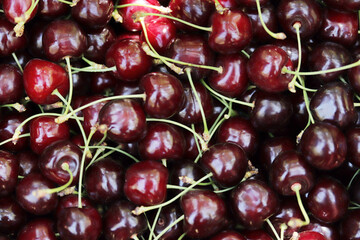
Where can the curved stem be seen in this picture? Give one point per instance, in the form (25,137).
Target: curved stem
(65,167)
(351,181)
(307,102)
(67,59)
(304,88)
(169,227)
(158,8)
(196,141)
(154,223)
(20,21)
(291,85)
(295,222)
(10,139)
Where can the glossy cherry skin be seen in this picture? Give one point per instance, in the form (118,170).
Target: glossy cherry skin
(79,223)
(9,169)
(228,235)
(330,231)
(120,223)
(63,38)
(41,78)
(307,12)
(340,27)
(163,92)
(42,228)
(28,162)
(323,145)
(11,84)
(290,46)
(205,213)
(51,9)
(70,201)
(15,10)
(104,181)
(231,31)
(30,196)
(253,201)
(349,226)
(127,88)
(264,68)
(169,215)
(130,60)
(334,103)
(124,119)
(227,162)
(321,201)
(162,141)
(44,131)
(353,140)
(93,13)
(9,41)
(346,5)
(145,183)
(310,235)
(8,124)
(12,216)
(102,82)
(240,131)
(328,55)
(233,80)
(185,168)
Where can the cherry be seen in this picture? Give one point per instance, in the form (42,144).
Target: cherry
(102,82)
(349,226)
(310,235)
(41,78)
(205,213)
(33,196)
(300,115)
(104,181)
(353,139)
(44,131)
(253,202)
(71,201)
(42,228)
(12,216)
(264,68)
(93,13)
(329,231)
(22,56)
(124,119)
(10,42)
(8,124)
(145,183)
(127,88)
(231,31)
(9,166)
(51,9)
(256,235)
(291,48)
(228,234)
(347,5)
(120,223)
(35,46)
(79,223)
(11,84)
(28,162)
(168,215)
(323,145)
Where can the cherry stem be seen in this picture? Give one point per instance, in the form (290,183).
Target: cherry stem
(154,223)
(158,8)
(179,219)
(66,2)
(20,21)
(294,223)
(352,179)
(115,14)
(17,106)
(280,35)
(196,141)
(182,236)
(17,62)
(272,229)
(224,97)
(93,67)
(219,8)
(291,85)
(307,103)
(143,209)
(245,53)
(10,139)
(65,167)
(1,11)
(67,59)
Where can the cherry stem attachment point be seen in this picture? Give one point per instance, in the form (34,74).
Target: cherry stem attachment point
(295,222)
(291,85)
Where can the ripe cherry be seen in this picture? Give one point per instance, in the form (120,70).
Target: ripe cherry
(51,9)
(8,124)
(11,84)
(10,42)
(9,166)
(167,216)
(349,226)
(12,216)
(42,228)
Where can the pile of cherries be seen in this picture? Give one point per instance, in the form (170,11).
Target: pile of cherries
(179,119)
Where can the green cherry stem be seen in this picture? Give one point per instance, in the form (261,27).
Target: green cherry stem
(17,62)
(291,85)
(154,223)
(295,222)
(17,106)
(352,179)
(161,9)
(272,229)
(10,139)
(20,21)
(71,88)
(219,8)
(196,141)
(283,227)
(179,219)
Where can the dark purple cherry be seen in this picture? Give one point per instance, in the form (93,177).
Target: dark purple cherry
(79,223)
(330,231)
(163,92)
(71,201)
(145,183)
(323,145)
(265,66)
(228,235)
(127,88)
(353,145)
(340,27)
(129,58)
(258,234)
(12,216)
(162,141)
(290,46)
(187,169)
(9,170)
(124,119)
(42,228)
(233,81)
(253,202)
(328,201)
(104,181)
(288,169)
(63,38)
(205,213)
(11,84)
(306,12)
(28,162)
(169,215)
(346,5)
(334,103)
(8,39)
(191,147)
(300,114)
(102,82)
(350,225)
(32,195)
(35,46)
(93,13)
(23,58)
(120,223)
(231,31)
(51,9)
(8,124)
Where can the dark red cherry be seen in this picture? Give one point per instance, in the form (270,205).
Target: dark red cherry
(290,46)
(306,12)
(42,228)
(120,223)
(240,131)
(330,231)
(16,11)
(79,223)
(191,147)
(28,162)
(233,81)
(228,235)
(353,77)
(35,46)
(130,60)
(44,131)
(9,170)
(81,80)
(258,234)
(8,124)
(9,41)
(353,145)
(310,235)
(104,181)
(127,88)
(227,162)
(163,92)
(71,201)
(188,169)
(205,213)
(11,84)
(350,225)
(231,31)
(32,196)
(169,215)
(63,38)
(102,82)
(265,66)
(145,183)
(323,145)
(290,168)
(162,141)
(51,9)
(346,5)
(41,78)
(340,27)
(93,13)
(12,216)
(252,213)
(124,119)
